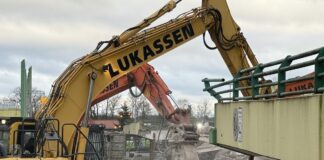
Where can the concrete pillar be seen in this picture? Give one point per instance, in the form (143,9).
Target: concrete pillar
(29,108)
(25,91)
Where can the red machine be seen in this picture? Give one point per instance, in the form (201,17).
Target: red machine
(301,85)
(146,79)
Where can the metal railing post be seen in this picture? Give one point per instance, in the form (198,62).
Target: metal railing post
(319,72)
(212,92)
(282,75)
(236,85)
(255,81)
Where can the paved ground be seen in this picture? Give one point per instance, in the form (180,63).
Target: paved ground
(208,151)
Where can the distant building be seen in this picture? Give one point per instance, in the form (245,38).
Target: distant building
(108,123)
(144,126)
(9,108)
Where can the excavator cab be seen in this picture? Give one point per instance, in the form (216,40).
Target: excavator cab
(17,137)
(4,135)
(25,137)
(22,137)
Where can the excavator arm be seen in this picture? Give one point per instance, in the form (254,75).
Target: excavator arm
(93,72)
(153,88)
(229,41)
(88,76)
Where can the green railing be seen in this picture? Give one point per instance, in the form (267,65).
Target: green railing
(254,81)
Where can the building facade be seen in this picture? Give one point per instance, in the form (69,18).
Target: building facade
(9,108)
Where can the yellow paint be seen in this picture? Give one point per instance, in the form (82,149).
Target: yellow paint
(59,158)
(82,143)
(287,129)
(322,130)
(43,100)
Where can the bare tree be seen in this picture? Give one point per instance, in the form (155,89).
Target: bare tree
(106,108)
(36,96)
(134,102)
(202,110)
(14,95)
(144,107)
(98,110)
(94,112)
(183,102)
(141,108)
(112,103)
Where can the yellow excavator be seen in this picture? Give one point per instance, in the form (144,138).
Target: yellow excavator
(60,128)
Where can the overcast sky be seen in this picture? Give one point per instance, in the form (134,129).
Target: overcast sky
(50,34)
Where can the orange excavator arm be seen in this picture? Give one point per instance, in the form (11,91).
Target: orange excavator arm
(146,79)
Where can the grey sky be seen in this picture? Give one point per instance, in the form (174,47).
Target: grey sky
(50,34)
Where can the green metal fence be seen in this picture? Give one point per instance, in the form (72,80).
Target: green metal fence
(253,77)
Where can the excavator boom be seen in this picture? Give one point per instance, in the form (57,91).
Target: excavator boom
(148,81)
(70,90)
(85,78)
